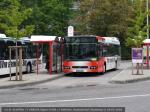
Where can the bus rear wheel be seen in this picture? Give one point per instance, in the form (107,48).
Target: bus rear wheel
(116,66)
(28,69)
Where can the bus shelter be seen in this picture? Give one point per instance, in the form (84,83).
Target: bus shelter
(54,51)
(146,53)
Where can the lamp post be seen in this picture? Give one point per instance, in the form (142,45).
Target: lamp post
(147,20)
(147,57)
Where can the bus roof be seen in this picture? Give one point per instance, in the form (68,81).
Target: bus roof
(107,40)
(25,38)
(42,38)
(6,39)
(2,36)
(112,40)
(82,36)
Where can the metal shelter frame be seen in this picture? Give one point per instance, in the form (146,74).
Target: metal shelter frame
(48,39)
(146,43)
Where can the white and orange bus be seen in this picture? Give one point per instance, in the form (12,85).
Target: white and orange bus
(91,54)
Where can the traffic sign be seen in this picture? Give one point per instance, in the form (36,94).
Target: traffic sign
(70,30)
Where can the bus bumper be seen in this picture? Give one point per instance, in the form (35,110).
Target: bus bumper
(86,66)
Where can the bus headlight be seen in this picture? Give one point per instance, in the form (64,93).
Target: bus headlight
(66,67)
(93,67)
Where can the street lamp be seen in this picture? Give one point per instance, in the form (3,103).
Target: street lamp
(147,20)
(147,57)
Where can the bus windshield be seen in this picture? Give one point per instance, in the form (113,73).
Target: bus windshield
(4,44)
(80,51)
(80,48)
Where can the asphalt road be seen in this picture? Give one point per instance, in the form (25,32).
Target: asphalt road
(85,91)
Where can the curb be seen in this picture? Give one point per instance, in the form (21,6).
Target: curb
(129,81)
(31,83)
(115,79)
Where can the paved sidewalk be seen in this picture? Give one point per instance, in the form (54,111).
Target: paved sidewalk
(126,76)
(29,79)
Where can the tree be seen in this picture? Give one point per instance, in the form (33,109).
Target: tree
(137,29)
(49,16)
(12,17)
(103,17)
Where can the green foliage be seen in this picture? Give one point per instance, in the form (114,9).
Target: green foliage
(121,18)
(49,16)
(103,17)
(137,29)
(12,17)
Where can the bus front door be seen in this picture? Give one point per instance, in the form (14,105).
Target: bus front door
(56,57)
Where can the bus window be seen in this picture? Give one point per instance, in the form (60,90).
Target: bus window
(10,43)
(2,49)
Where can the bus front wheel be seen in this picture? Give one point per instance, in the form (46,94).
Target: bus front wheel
(104,68)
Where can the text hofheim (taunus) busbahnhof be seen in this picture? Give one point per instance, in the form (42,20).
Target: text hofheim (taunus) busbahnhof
(63,109)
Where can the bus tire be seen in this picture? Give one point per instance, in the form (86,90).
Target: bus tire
(29,68)
(104,68)
(116,66)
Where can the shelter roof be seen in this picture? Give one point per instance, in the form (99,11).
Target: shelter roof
(146,42)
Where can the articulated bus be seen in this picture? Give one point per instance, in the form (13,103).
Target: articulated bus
(28,56)
(91,54)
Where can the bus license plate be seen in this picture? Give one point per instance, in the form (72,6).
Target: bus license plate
(79,70)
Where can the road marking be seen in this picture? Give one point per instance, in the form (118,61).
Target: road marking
(74,100)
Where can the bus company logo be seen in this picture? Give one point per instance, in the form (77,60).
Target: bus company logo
(7,64)
(3,64)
